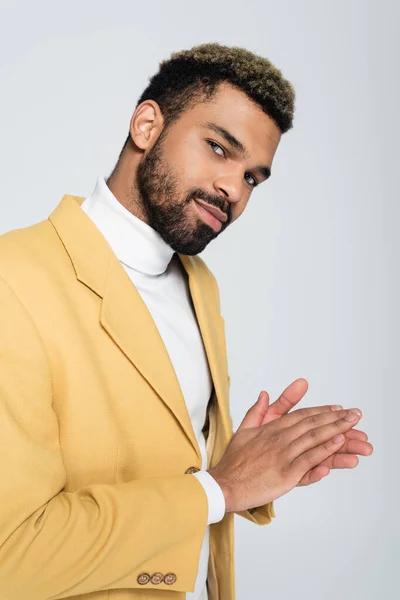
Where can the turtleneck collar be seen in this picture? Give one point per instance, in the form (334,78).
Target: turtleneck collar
(135,243)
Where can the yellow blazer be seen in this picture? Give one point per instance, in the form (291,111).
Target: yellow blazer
(97,500)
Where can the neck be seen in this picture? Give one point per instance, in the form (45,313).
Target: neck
(122,183)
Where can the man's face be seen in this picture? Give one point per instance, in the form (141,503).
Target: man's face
(194,162)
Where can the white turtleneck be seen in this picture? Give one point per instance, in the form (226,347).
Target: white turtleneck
(159,277)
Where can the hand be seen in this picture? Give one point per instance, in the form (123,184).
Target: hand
(260,464)
(344,458)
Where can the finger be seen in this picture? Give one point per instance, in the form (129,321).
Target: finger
(304,451)
(299,422)
(356,447)
(312,410)
(314,424)
(314,456)
(289,397)
(357,435)
(314,475)
(302,413)
(257,413)
(341,461)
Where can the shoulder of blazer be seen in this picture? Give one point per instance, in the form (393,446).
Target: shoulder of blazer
(24,250)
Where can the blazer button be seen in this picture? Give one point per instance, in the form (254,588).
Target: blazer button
(143,578)
(157,578)
(170,578)
(192,470)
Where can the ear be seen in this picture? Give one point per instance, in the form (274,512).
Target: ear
(146,124)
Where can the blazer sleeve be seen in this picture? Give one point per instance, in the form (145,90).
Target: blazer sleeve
(57,544)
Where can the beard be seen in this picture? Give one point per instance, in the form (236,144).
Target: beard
(175,220)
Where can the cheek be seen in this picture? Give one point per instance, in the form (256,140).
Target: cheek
(197,170)
(191,162)
(187,172)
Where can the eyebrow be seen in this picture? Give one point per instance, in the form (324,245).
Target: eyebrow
(235,143)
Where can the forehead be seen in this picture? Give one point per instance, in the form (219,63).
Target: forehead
(235,111)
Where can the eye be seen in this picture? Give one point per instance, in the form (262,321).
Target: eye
(213,144)
(255,184)
(218,146)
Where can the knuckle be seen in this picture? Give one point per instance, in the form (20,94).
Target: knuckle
(313,434)
(327,446)
(312,420)
(308,457)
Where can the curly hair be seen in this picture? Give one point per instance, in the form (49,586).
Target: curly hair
(192,76)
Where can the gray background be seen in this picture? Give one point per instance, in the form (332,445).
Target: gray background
(308,275)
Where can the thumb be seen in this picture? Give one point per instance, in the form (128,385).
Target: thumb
(256,413)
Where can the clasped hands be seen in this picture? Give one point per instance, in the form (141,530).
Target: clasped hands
(345,458)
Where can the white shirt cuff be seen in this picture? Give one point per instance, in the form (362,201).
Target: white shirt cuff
(215,495)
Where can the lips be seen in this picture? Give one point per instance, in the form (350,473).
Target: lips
(216,212)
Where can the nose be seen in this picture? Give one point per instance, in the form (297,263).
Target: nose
(229,186)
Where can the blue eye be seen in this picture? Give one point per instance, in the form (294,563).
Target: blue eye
(218,146)
(255,184)
(213,144)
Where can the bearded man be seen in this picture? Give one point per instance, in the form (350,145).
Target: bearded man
(121,472)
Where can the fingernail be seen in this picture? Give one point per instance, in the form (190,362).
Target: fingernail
(352,416)
(337,407)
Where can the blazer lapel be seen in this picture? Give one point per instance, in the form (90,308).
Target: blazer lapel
(125,316)
(212,331)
